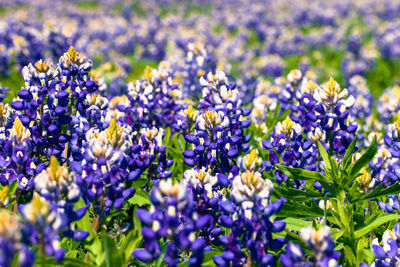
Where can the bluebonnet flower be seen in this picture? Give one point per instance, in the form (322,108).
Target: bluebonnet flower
(197,63)
(386,254)
(201,181)
(58,185)
(102,176)
(357,64)
(16,154)
(153,99)
(263,102)
(219,130)
(185,120)
(152,148)
(3,91)
(5,60)
(388,40)
(391,205)
(331,119)
(248,217)
(172,217)
(321,245)
(388,103)
(13,243)
(45,222)
(271,65)
(287,141)
(363,98)
(212,144)
(385,164)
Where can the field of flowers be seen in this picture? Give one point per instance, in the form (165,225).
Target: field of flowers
(199,133)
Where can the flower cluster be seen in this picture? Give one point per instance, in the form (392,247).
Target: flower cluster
(219,126)
(321,245)
(13,242)
(172,217)
(221,153)
(154,100)
(386,254)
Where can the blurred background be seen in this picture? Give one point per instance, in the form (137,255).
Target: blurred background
(251,40)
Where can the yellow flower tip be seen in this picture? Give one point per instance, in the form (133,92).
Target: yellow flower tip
(163,64)
(251,178)
(200,73)
(4,194)
(201,175)
(197,47)
(7,221)
(71,56)
(19,130)
(72,51)
(311,86)
(190,112)
(310,74)
(39,206)
(365,178)
(94,73)
(107,66)
(49,24)
(54,168)
(18,123)
(148,73)
(288,123)
(113,127)
(295,73)
(116,100)
(332,86)
(211,117)
(114,133)
(41,66)
(251,159)
(397,122)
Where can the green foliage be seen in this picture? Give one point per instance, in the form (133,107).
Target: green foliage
(14,82)
(341,190)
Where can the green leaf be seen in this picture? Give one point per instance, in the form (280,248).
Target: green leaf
(365,158)
(74,262)
(373,217)
(167,135)
(283,116)
(296,224)
(363,253)
(378,222)
(336,233)
(298,210)
(175,153)
(347,179)
(325,156)
(329,187)
(140,198)
(133,239)
(349,154)
(296,194)
(113,254)
(301,174)
(13,187)
(92,243)
(350,257)
(380,191)
(139,183)
(274,118)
